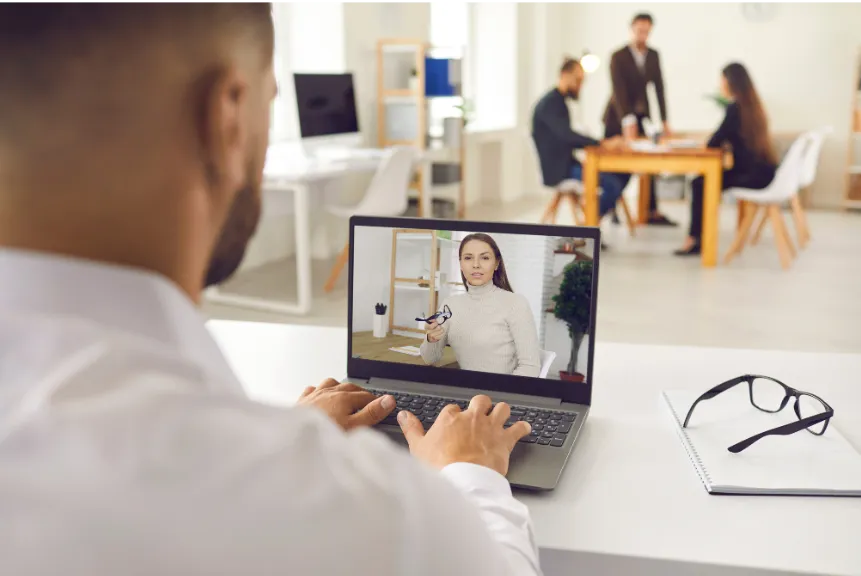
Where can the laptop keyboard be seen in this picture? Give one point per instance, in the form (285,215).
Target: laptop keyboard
(549,427)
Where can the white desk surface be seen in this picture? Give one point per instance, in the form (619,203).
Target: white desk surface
(630,501)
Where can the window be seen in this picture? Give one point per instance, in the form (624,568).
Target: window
(449,38)
(309,37)
(449,26)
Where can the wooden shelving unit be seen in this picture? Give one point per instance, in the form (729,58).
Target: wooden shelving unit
(852,198)
(423,247)
(404,114)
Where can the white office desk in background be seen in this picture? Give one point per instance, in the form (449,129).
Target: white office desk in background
(289,176)
(630,502)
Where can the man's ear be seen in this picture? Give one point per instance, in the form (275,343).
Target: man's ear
(224,130)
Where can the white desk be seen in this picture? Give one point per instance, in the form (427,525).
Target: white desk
(288,170)
(630,502)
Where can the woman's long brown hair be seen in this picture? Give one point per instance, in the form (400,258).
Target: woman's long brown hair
(500,278)
(754,122)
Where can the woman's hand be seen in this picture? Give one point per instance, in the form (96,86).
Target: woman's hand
(435,332)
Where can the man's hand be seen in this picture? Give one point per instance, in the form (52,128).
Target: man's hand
(435,332)
(347,404)
(613,143)
(472,436)
(631,131)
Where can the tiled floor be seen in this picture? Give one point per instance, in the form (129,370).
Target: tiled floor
(648,296)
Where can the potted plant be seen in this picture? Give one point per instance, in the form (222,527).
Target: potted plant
(573,305)
(719,100)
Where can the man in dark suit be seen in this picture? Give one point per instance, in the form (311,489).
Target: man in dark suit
(556,141)
(632,69)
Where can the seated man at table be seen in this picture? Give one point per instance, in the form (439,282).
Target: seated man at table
(556,141)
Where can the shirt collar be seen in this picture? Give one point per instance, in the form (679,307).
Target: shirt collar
(119,298)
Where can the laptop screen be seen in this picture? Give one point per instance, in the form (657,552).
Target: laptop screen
(512,304)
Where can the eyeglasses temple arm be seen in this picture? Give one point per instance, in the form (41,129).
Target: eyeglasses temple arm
(784,430)
(709,394)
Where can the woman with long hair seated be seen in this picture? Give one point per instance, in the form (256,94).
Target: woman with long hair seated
(491,328)
(745,128)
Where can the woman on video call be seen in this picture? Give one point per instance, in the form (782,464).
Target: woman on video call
(491,328)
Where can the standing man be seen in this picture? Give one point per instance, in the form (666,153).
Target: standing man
(632,68)
(556,141)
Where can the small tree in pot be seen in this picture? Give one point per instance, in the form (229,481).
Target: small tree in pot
(573,305)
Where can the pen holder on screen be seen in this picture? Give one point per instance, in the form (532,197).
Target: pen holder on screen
(380,321)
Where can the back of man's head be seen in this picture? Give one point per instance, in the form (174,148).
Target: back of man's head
(113,115)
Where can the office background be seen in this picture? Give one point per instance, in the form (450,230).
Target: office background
(804,59)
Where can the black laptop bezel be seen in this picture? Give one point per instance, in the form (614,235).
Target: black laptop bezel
(574,392)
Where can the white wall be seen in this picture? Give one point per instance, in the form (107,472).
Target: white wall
(803,63)
(371,283)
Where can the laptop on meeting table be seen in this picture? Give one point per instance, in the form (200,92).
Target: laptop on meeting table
(503,334)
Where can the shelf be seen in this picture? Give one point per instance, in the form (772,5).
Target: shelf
(419,237)
(408,100)
(409,287)
(436,153)
(400,93)
(446,191)
(401,48)
(854,169)
(852,204)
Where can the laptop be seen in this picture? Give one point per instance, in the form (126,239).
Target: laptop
(443,310)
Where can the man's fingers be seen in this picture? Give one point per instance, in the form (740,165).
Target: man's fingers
(307,390)
(411,427)
(356,400)
(373,412)
(480,404)
(517,431)
(350,387)
(328,383)
(449,410)
(500,413)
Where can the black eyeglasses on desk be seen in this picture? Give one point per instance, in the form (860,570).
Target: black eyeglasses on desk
(770,395)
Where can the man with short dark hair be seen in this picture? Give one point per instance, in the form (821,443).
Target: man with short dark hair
(556,141)
(632,69)
(132,144)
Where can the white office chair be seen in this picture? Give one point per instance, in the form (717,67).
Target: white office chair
(782,189)
(386,196)
(808,175)
(547,358)
(572,190)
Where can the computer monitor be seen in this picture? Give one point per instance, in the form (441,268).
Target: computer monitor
(326,105)
(512,305)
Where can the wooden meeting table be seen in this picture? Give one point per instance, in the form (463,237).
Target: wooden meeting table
(706,161)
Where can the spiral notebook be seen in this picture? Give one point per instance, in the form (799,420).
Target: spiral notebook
(800,464)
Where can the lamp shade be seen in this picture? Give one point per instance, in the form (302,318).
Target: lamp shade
(590,62)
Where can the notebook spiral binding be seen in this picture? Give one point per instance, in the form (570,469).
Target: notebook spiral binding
(693,455)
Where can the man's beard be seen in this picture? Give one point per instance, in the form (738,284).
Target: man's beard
(237,231)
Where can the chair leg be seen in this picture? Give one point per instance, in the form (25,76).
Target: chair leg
(549,216)
(576,209)
(741,236)
(800,218)
(760,227)
(629,218)
(336,269)
(780,236)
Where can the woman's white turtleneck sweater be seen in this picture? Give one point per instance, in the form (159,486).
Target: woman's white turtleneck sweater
(491,330)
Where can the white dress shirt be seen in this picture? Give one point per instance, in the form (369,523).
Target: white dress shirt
(128,447)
